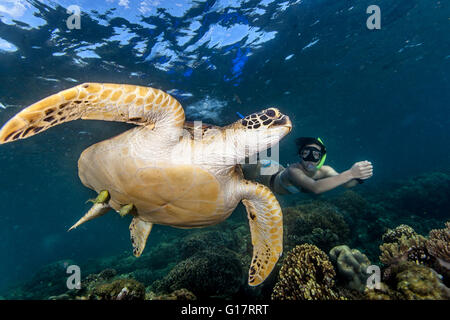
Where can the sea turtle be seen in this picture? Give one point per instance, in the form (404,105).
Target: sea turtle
(166,171)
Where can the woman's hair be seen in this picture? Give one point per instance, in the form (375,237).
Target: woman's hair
(304,141)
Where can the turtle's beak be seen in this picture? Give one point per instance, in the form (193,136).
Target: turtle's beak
(283,121)
(288,123)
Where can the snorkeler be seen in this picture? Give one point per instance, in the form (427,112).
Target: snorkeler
(308,175)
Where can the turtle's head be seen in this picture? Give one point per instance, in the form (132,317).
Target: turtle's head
(270,119)
(262,130)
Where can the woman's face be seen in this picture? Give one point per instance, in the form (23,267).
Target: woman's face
(308,150)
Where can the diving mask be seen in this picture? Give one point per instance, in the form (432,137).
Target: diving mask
(310,154)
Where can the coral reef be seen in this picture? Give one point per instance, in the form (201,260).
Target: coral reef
(306,274)
(438,245)
(382,293)
(394,235)
(352,203)
(410,281)
(181,294)
(417,282)
(104,275)
(120,289)
(366,220)
(425,195)
(105,285)
(202,240)
(314,222)
(405,249)
(404,245)
(47,281)
(351,265)
(207,273)
(410,268)
(213,262)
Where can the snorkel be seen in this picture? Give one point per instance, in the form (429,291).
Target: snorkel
(322,161)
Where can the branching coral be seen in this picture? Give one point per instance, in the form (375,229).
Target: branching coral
(351,265)
(438,245)
(306,274)
(411,265)
(405,249)
(394,235)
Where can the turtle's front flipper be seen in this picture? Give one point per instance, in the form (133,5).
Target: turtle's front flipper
(139,231)
(99,208)
(266,227)
(97,101)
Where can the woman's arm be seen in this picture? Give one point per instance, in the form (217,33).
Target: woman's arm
(360,170)
(301,180)
(328,171)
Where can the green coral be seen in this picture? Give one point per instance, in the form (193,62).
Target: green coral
(418,282)
(306,274)
(352,266)
(382,293)
(314,222)
(202,240)
(352,203)
(424,195)
(410,281)
(49,280)
(120,289)
(181,294)
(207,273)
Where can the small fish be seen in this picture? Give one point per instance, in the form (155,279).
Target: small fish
(4,106)
(71,79)
(289,57)
(237,99)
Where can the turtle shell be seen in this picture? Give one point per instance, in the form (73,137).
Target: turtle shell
(163,193)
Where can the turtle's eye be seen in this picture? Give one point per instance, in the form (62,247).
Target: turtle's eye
(271,113)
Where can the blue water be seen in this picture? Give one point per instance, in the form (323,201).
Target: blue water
(381,95)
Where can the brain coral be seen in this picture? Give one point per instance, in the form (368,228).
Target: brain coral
(352,265)
(306,274)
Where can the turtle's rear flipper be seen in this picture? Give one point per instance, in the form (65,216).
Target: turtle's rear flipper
(266,227)
(139,231)
(99,208)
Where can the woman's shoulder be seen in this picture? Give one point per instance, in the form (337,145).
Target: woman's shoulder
(295,167)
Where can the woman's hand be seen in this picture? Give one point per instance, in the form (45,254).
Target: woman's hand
(362,170)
